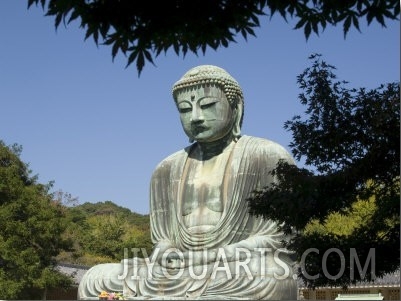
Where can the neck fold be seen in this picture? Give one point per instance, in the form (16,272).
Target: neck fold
(214,148)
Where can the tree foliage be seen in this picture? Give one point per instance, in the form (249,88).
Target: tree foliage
(142,30)
(350,139)
(31,227)
(38,229)
(102,231)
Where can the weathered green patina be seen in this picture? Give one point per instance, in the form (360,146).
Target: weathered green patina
(207,246)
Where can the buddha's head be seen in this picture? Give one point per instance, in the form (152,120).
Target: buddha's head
(210,103)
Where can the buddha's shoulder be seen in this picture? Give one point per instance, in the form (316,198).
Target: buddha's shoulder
(262,146)
(252,141)
(171,160)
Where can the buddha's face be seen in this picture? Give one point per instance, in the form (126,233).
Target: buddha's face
(205,113)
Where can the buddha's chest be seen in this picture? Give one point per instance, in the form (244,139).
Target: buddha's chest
(203,187)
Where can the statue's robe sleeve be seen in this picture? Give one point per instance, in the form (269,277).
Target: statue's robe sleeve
(163,191)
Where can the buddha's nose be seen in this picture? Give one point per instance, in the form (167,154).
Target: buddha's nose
(197,115)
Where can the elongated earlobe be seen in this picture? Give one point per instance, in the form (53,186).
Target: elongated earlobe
(236,131)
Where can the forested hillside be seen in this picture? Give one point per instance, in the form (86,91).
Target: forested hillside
(101,231)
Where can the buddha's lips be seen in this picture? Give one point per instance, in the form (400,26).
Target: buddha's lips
(198,128)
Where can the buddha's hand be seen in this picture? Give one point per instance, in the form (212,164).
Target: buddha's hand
(165,254)
(170,257)
(173,260)
(194,258)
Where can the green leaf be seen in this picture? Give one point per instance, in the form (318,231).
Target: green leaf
(300,23)
(255,20)
(140,61)
(347,24)
(283,13)
(96,37)
(58,20)
(158,50)
(114,50)
(244,34)
(184,49)
(323,23)
(148,56)
(75,14)
(104,29)
(315,27)
(380,19)
(355,22)
(250,31)
(369,17)
(307,30)
(132,57)
(224,42)
(176,47)
(291,10)
(30,2)
(396,12)
(89,32)
(203,48)
(110,39)
(273,9)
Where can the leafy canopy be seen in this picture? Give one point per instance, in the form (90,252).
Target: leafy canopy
(350,139)
(142,30)
(31,227)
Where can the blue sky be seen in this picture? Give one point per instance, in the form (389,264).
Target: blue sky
(98,130)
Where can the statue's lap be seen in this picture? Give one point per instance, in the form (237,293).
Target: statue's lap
(131,275)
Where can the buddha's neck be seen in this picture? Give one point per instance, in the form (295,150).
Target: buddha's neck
(214,148)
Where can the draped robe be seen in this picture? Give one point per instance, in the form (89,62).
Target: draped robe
(248,167)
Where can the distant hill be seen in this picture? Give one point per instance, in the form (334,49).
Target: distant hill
(110,208)
(100,232)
